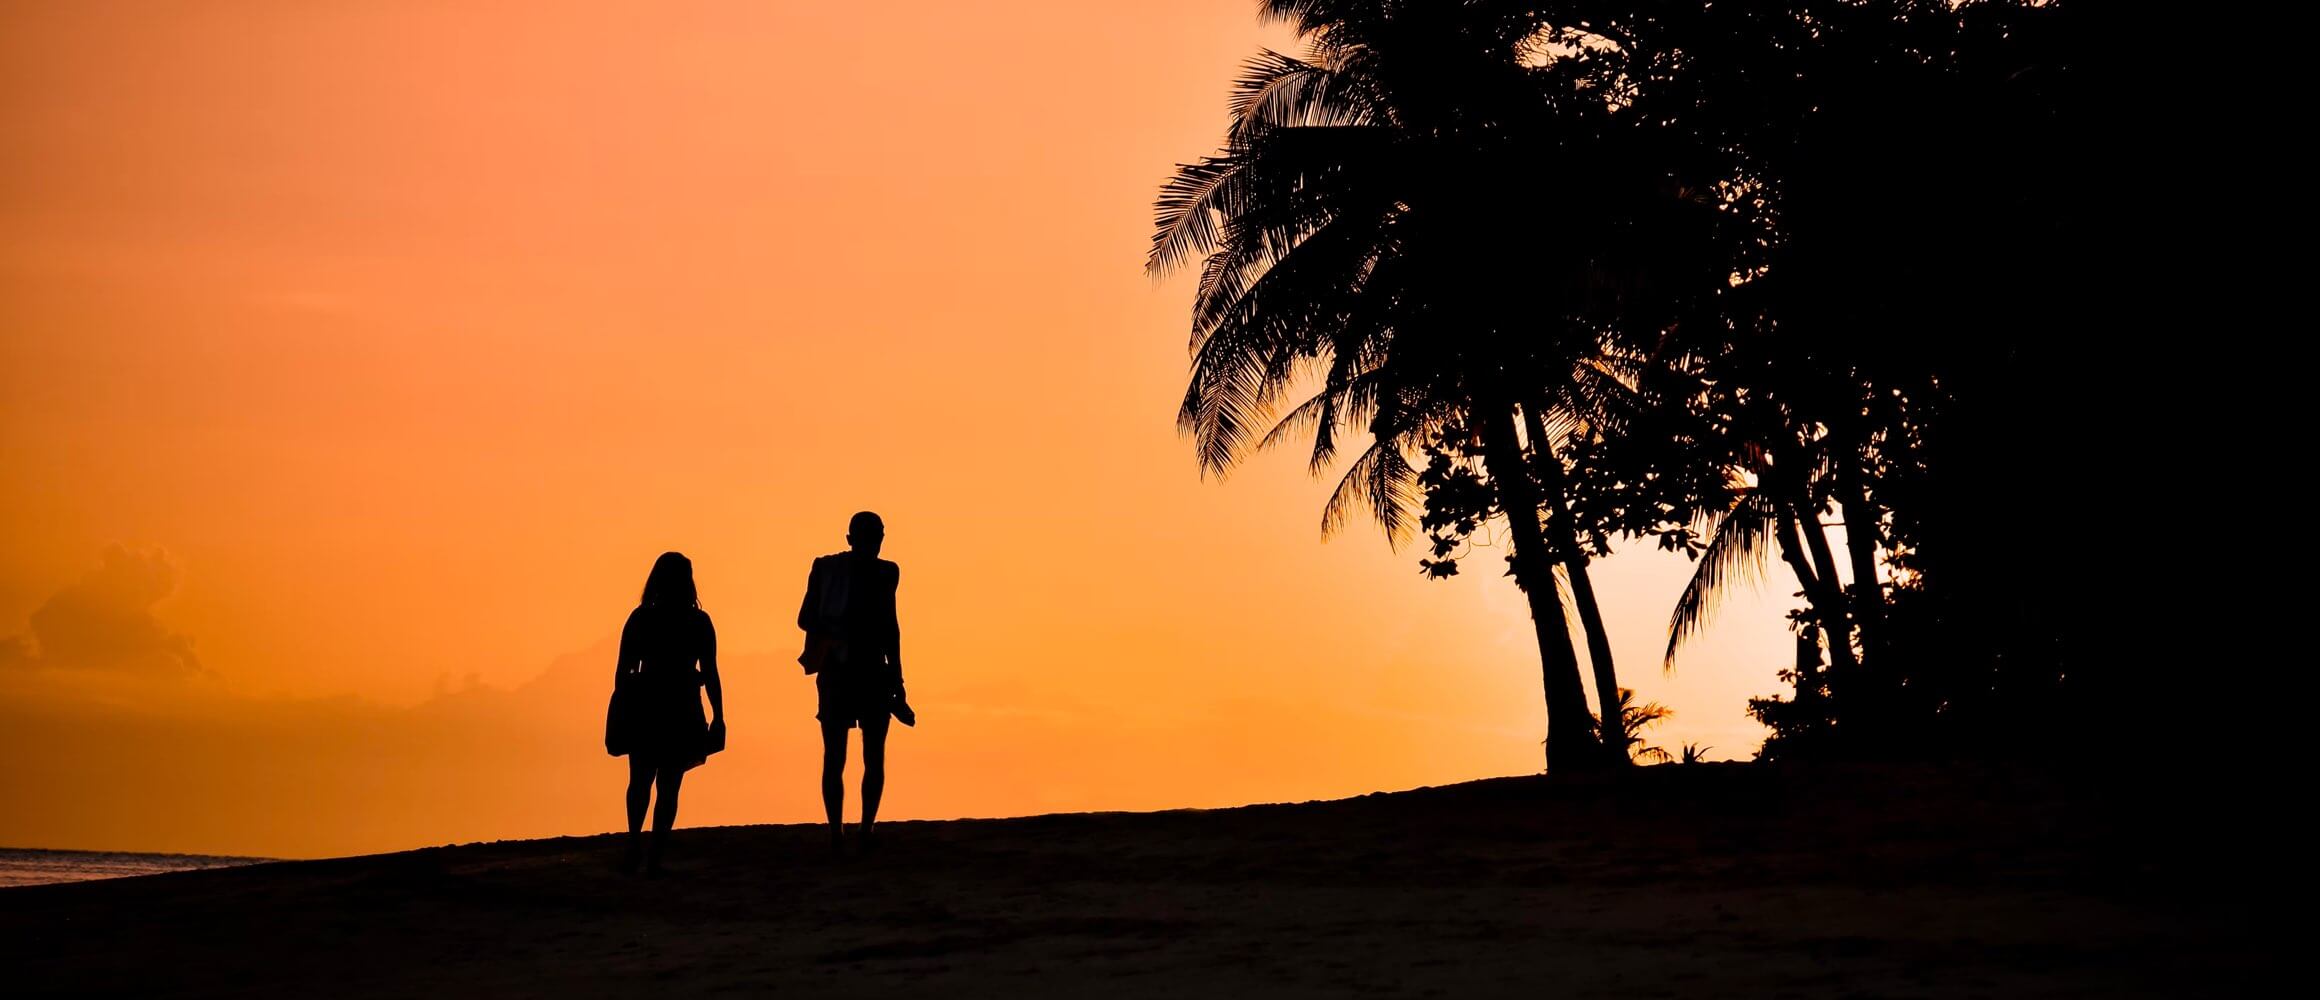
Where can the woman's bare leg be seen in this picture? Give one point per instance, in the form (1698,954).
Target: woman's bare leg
(640,779)
(670,778)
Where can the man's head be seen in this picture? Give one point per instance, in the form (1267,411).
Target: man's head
(865,533)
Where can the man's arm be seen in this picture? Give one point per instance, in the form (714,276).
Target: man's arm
(808,611)
(894,626)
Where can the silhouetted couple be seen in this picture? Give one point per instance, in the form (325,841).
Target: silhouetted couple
(668,656)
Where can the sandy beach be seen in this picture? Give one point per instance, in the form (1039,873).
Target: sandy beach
(1712,880)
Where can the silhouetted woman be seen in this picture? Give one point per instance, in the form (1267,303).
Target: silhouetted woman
(668,653)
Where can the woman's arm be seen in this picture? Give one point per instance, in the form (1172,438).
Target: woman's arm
(709,677)
(627,649)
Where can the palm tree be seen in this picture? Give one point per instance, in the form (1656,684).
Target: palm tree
(1362,231)
(1775,477)
(1628,741)
(1564,533)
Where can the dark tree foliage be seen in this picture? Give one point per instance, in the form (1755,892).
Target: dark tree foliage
(1800,283)
(1892,349)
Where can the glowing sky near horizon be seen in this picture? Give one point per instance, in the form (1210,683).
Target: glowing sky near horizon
(391,341)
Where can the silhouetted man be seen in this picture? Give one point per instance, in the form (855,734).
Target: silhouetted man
(854,646)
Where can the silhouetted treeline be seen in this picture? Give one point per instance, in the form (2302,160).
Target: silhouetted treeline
(1801,290)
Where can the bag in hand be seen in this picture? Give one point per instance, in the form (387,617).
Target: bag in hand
(617,714)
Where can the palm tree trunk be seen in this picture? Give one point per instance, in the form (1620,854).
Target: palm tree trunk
(1565,536)
(1820,591)
(1861,543)
(1832,600)
(1808,638)
(1598,657)
(1862,537)
(1570,733)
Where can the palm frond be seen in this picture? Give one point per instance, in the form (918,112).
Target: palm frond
(1288,184)
(1306,15)
(1735,553)
(1231,391)
(1278,91)
(1288,314)
(1355,382)
(1337,403)
(1287,187)
(1188,217)
(1381,482)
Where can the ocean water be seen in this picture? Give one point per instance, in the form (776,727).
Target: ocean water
(31,867)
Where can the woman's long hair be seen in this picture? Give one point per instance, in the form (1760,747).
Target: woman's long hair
(671,583)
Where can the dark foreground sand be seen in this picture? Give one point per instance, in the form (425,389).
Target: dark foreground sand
(1714,880)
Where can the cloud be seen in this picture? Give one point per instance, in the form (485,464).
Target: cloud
(105,621)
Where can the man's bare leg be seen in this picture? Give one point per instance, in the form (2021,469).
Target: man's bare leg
(873,773)
(834,781)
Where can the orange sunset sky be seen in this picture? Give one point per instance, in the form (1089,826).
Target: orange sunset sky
(357,358)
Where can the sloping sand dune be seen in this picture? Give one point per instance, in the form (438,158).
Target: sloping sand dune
(1711,880)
